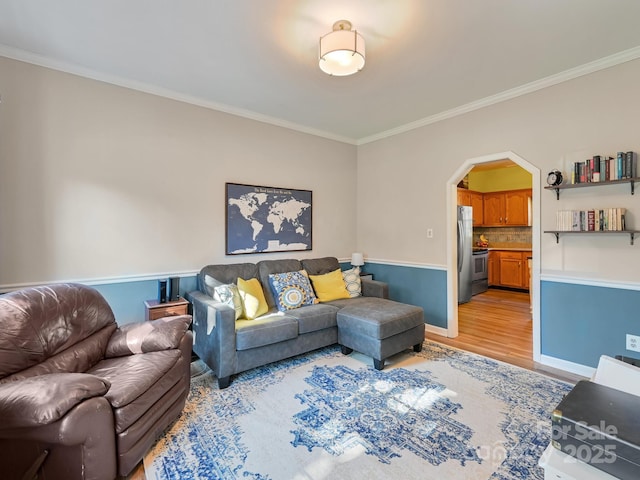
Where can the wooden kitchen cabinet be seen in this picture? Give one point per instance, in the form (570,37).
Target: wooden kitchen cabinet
(477,203)
(494,268)
(493,205)
(464,196)
(516,204)
(509,269)
(474,200)
(510,208)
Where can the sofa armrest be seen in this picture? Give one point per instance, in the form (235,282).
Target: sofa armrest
(214,331)
(374,288)
(206,311)
(44,399)
(151,336)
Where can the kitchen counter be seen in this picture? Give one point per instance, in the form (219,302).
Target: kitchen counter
(511,249)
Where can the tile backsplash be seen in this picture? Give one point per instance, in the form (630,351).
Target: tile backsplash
(503,236)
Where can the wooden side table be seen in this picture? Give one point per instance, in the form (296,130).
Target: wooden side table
(154,309)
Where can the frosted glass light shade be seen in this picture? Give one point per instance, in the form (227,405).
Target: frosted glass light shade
(342,51)
(357,259)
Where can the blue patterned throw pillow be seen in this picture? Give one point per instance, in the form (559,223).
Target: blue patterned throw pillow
(292,290)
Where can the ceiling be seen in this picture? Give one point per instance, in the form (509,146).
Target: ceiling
(426,59)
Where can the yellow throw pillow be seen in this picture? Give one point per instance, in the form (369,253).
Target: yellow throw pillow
(329,286)
(253,301)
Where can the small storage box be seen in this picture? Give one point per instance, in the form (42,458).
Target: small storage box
(600,426)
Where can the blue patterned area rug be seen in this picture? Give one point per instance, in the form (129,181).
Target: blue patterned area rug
(439,414)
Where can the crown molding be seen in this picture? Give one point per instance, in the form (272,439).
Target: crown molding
(47,62)
(587,68)
(591,67)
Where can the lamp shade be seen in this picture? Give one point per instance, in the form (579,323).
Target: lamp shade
(357,259)
(342,50)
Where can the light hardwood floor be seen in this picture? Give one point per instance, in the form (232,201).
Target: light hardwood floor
(498,324)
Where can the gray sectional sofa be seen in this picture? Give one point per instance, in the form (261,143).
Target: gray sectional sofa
(370,323)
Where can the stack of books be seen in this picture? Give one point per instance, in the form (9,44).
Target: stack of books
(604,219)
(602,168)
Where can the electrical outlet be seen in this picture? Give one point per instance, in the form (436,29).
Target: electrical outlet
(429,232)
(633,342)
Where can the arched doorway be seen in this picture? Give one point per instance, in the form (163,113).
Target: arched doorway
(452,271)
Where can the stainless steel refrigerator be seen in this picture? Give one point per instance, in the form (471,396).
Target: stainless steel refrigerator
(465,250)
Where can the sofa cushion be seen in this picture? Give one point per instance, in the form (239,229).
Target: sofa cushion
(153,397)
(229,294)
(291,290)
(265,330)
(312,318)
(352,281)
(131,376)
(320,266)
(212,276)
(267,267)
(252,295)
(379,318)
(329,286)
(151,336)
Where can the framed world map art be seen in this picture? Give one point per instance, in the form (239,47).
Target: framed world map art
(267,219)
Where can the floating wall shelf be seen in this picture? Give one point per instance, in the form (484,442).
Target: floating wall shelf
(557,233)
(557,188)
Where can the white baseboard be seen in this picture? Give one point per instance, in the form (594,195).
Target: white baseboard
(436,330)
(567,366)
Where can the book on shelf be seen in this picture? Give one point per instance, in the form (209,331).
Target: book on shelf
(619,163)
(630,165)
(603,168)
(593,220)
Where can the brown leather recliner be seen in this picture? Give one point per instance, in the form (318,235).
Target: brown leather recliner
(81,398)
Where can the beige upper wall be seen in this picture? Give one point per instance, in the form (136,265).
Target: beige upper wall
(551,128)
(100,181)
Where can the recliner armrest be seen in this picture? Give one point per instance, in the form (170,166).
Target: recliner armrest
(44,399)
(374,288)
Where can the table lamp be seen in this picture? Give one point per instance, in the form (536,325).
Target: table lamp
(357,260)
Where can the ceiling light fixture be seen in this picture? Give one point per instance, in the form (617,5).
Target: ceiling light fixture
(341,51)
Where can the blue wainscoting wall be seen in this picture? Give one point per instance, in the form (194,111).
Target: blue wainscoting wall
(420,286)
(579,323)
(424,287)
(127,298)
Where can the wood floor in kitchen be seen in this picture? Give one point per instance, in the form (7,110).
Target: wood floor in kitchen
(497,324)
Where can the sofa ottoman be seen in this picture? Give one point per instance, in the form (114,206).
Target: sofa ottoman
(379,328)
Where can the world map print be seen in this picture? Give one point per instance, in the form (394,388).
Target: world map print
(267,219)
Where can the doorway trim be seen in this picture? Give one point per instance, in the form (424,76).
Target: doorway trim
(452,271)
